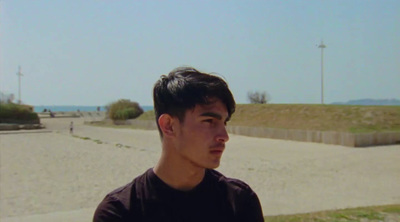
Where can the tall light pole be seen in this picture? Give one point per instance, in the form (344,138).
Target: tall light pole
(322,46)
(19,74)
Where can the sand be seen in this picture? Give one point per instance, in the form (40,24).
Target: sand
(51,175)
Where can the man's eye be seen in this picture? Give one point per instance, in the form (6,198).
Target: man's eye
(208,120)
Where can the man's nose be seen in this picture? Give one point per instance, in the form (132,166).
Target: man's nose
(222,135)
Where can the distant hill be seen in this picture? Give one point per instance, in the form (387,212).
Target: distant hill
(371,102)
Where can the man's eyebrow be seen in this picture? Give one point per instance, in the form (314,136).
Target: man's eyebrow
(214,115)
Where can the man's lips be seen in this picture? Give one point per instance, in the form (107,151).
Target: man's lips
(217,149)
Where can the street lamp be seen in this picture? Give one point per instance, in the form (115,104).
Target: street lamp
(19,74)
(322,46)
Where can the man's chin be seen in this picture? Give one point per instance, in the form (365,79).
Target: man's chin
(214,166)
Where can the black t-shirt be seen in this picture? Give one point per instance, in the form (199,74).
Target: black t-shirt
(148,198)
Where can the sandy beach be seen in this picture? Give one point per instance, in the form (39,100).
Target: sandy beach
(51,175)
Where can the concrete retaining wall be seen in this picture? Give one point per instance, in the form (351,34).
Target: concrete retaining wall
(9,127)
(376,139)
(336,138)
(20,121)
(92,116)
(143,124)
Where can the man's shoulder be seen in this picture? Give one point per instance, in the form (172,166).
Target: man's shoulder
(125,191)
(233,184)
(121,193)
(240,197)
(118,203)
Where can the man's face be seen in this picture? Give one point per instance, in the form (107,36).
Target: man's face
(201,137)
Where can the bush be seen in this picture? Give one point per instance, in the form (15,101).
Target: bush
(258,97)
(11,112)
(124,109)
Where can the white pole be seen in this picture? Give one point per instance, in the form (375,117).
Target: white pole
(322,46)
(19,74)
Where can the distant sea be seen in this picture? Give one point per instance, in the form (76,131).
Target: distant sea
(39,109)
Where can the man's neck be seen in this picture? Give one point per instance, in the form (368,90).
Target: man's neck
(178,176)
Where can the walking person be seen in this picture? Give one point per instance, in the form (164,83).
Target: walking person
(71,127)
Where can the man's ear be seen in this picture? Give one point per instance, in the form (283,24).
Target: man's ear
(166,123)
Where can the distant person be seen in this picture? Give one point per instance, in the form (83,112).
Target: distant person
(71,127)
(192,109)
(98,109)
(51,114)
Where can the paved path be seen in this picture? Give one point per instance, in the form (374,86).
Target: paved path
(56,176)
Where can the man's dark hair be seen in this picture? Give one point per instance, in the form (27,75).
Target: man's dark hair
(184,88)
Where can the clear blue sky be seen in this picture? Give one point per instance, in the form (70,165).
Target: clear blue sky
(94,52)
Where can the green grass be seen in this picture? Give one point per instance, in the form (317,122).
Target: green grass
(119,145)
(98,141)
(366,214)
(339,118)
(343,118)
(80,137)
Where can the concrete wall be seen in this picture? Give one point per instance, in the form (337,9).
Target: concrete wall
(376,139)
(144,124)
(336,138)
(12,127)
(9,126)
(92,116)
(20,121)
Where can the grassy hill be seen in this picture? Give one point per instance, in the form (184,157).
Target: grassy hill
(366,214)
(344,118)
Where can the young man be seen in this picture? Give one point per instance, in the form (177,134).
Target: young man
(192,109)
